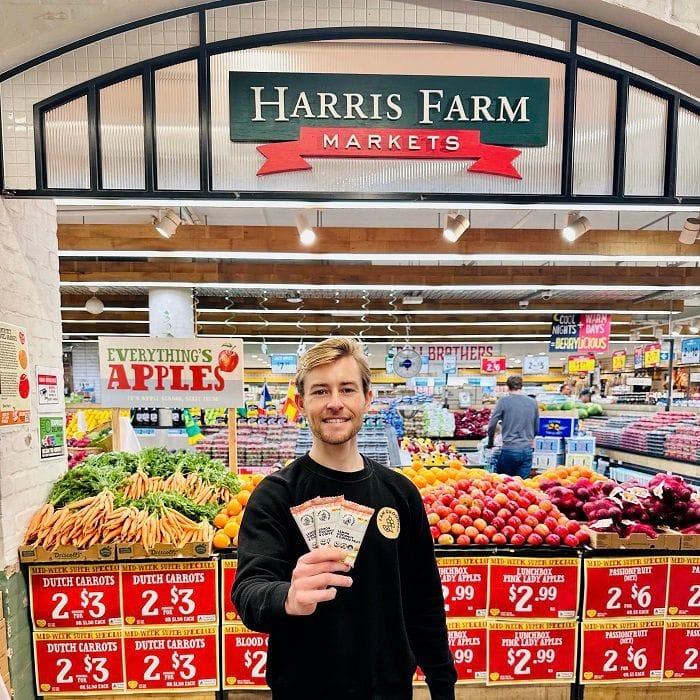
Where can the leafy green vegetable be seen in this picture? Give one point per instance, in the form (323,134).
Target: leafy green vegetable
(87,479)
(156,503)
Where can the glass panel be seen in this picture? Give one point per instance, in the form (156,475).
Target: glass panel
(67,146)
(688,164)
(121,135)
(645,143)
(594,133)
(639,58)
(235,164)
(177,127)
(457,15)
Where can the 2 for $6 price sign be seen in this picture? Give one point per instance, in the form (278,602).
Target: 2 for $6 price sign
(625,587)
(684,586)
(542,588)
(169,593)
(75,596)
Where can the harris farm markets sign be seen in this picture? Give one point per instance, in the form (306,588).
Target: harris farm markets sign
(171,372)
(330,115)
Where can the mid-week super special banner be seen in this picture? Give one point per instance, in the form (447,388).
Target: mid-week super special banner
(171,372)
(580,332)
(298,116)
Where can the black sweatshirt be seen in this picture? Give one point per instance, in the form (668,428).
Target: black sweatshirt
(366,642)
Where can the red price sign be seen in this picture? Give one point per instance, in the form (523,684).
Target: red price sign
(467,639)
(464,585)
(493,365)
(75,596)
(682,658)
(169,593)
(527,652)
(228,576)
(159,658)
(625,587)
(245,657)
(621,650)
(543,588)
(78,662)
(684,586)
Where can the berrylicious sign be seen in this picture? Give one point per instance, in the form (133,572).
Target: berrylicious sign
(301,116)
(171,372)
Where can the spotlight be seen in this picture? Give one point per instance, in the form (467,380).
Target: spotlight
(306,233)
(409,299)
(166,224)
(690,231)
(455,227)
(547,294)
(93,305)
(294,298)
(576,226)
(523,303)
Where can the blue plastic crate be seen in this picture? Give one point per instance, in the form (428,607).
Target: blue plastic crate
(548,444)
(580,445)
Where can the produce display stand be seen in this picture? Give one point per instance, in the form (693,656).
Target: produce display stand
(657,464)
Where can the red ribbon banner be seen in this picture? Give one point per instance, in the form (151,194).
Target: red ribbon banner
(316,142)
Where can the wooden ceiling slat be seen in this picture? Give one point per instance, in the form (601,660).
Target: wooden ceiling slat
(547,242)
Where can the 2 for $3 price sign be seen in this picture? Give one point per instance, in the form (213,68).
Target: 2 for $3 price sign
(169,593)
(629,587)
(159,658)
(619,650)
(75,596)
(78,662)
(533,588)
(464,585)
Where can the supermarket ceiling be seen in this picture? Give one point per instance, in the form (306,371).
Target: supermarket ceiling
(384,274)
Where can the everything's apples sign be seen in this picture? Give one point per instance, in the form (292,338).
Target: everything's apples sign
(171,372)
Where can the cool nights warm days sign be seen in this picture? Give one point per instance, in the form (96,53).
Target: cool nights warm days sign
(171,372)
(324,115)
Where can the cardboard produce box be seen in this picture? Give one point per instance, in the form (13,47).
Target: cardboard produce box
(611,540)
(67,554)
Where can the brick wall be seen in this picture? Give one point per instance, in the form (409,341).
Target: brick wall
(30,298)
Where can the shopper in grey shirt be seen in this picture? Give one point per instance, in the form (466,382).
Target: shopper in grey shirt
(518,415)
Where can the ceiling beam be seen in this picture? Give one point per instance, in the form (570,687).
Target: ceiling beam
(283,239)
(202,273)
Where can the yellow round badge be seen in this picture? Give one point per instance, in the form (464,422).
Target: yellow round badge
(388,523)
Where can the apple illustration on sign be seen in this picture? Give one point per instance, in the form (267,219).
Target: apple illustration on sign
(22,338)
(228,358)
(23,386)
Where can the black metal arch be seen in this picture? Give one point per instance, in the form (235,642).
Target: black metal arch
(202,53)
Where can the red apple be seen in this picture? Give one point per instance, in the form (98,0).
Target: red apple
(571,540)
(561,531)
(434,532)
(444,525)
(452,518)
(460,509)
(463,540)
(517,539)
(508,531)
(445,539)
(551,523)
(534,539)
(573,526)
(499,538)
(488,515)
(228,359)
(515,521)
(531,520)
(466,521)
(499,523)
(481,539)
(553,540)
(433,518)
(582,536)
(525,530)
(541,529)
(471,532)
(490,531)
(457,529)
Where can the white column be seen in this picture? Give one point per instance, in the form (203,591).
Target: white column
(170,313)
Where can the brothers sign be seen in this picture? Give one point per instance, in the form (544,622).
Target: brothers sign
(324,115)
(171,372)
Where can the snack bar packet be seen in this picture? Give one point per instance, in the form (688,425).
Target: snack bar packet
(326,517)
(303,515)
(351,529)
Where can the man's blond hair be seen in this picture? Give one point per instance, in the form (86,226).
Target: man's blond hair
(328,351)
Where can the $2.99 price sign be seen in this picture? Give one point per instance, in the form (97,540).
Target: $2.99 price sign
(684,586)
(625,587)
(78,662)
(464,585)
(75,596)
(228,576)
(175,657)
(245,657)
(467,640)
(621,650)
(529,588)
(169,593)
(682,659)
(532,651)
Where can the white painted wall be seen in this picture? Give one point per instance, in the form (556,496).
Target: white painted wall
(30,298)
